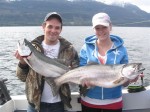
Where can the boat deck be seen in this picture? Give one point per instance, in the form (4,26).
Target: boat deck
(133,102)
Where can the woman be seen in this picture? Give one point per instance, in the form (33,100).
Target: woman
(103,48)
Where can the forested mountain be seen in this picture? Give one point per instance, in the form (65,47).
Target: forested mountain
(32,12)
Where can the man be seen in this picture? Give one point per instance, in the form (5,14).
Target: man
(38,92)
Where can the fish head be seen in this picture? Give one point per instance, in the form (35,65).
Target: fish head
(23,49)
(132,70)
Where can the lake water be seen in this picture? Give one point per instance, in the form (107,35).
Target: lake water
(137,41)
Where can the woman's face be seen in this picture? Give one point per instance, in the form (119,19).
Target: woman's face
(102,32)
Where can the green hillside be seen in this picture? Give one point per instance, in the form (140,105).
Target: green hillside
(31,13)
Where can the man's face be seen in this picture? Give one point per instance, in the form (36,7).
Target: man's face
(52,29)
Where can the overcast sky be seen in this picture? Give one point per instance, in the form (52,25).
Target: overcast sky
(143,4)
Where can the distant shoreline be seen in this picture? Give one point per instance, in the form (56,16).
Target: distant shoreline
(77,13)
(63,25)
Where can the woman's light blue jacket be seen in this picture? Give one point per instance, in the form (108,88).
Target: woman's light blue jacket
(116,55)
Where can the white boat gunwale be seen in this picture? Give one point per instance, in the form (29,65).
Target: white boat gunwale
(132,102)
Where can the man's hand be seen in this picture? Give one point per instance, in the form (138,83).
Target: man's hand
(17,55)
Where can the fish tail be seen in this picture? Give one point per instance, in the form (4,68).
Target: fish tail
(53,85)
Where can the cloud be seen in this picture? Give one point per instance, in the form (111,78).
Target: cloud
(142,4)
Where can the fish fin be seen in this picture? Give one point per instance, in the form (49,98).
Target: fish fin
(18,44)
(82,81)
(51,82)
(118,80)
(63,61)
(26,60)
(22,49)
(86,82)
(83,90)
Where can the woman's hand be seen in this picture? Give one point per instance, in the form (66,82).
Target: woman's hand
(133,80)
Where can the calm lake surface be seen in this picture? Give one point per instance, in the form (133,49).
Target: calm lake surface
(137,42)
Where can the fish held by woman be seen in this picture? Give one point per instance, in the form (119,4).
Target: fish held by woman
(107,76)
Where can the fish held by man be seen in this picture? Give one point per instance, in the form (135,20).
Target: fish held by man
(107,76)
(39,62)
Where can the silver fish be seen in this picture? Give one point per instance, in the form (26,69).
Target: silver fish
(107,76)
(39,62)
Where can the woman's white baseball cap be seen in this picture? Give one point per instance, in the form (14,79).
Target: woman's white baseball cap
(101,19)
